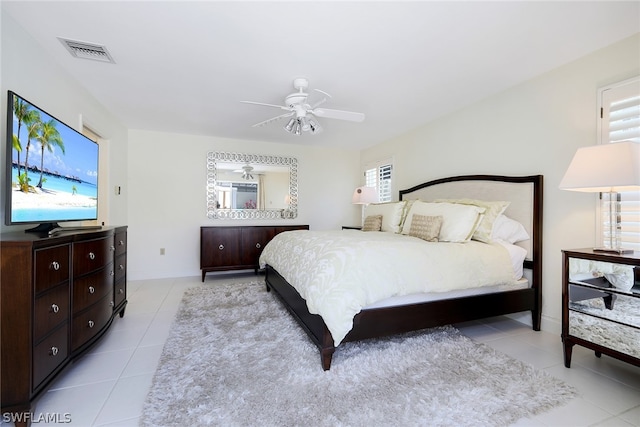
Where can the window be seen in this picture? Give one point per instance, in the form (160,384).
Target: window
(237,195)
(379,175)
(620,121)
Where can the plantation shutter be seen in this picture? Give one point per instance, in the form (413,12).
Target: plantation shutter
(379,175)
(620,121)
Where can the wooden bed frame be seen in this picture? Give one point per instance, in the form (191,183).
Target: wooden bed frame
(378,322)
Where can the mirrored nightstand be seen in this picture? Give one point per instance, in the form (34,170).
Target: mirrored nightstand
(601,304)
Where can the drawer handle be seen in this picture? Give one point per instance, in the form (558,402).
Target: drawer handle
(221,247)
(91,323)
(92,256)
(121,291)
(54,351)
(92,290)
(121,242)
(121,267)
(55,308)
(111,304)
(111,273)
(55,265)
(112,248)
(258,245)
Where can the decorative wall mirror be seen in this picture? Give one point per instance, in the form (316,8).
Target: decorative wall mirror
(251,186)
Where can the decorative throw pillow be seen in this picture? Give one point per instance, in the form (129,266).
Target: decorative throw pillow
(458,221)
(391,214)
(492,210)
(372,223)
(425,227)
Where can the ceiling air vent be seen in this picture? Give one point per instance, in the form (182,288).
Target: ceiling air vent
(86,50)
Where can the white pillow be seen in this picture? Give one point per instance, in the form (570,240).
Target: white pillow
(492,210)
(459,222)
(391,214)
(508,230)
(405,212)
(517,255)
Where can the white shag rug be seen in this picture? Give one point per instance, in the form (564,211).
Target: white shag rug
(235,357)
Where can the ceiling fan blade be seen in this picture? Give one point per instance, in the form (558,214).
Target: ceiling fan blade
(273,119)
(323,100)
(338,114)
(267,105)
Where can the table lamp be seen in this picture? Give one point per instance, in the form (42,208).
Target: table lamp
(607,169)
(364,196)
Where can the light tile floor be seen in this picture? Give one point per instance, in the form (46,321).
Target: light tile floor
(108,385)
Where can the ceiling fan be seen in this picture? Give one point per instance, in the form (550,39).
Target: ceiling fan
(303,116)
(247,171)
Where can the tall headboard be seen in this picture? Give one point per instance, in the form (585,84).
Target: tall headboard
(524,192)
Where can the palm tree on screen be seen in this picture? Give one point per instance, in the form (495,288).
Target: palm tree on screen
(33,127)
(26,115)
(48,137)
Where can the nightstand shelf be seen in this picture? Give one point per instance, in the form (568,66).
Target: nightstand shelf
(595,313)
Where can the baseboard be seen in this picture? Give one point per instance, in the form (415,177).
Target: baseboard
(547,324)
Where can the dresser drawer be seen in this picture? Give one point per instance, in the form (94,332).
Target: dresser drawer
(120,267)
(120,291)
(220,247)
(50,310)
(51,267)
(92,255)
(49,354)
(89,289)
(89,323)
(121,243)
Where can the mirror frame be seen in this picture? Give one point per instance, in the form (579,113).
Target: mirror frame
(214,157)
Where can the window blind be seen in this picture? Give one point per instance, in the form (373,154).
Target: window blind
(379,176)
(620,121)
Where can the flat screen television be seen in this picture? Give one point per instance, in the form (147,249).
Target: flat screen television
(52,169)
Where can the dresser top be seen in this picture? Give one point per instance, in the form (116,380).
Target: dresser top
(22,237)
(589,253)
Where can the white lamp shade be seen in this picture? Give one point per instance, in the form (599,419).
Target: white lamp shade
(604,168)
(364,196)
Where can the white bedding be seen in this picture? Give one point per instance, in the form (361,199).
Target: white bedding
(340,272)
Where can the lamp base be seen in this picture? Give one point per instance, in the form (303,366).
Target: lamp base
(619,251)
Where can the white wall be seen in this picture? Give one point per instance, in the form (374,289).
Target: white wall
(162,176)
(532,128)
(167,196)
(30,72)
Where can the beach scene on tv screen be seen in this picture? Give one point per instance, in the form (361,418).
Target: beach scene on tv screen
(54,169)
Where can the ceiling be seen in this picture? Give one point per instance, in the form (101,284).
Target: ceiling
(185,66)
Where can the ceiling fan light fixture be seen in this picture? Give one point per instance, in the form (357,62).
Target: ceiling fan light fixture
(304,122)
(314,127)
(297,129)
(289,126)
(246,172)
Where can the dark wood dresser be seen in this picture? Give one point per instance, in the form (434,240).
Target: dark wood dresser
(236,248)
(59,295)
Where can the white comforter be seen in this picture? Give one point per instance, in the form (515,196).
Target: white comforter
(340,272)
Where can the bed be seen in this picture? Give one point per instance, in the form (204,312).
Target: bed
(522,198)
